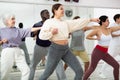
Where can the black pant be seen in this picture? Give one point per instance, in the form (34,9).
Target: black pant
(73,0)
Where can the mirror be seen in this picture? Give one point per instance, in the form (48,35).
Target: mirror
(29,13)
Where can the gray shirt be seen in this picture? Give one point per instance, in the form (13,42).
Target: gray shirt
(77,41)
(13,35)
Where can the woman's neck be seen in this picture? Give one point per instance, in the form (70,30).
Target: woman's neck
(57,17)
(103,27)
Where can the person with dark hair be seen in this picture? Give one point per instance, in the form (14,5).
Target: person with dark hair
(20,25)
(114,47)
(57,31)
(100,52)
(77,45)
(76,17)
(10,39)
(72,0)
(23,46)
(41,50)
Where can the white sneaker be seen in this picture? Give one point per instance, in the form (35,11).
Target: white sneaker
(102,76)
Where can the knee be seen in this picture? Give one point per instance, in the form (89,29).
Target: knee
(117,66)
(79,72)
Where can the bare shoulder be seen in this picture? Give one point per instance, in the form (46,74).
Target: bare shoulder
(95,31)
(110,29)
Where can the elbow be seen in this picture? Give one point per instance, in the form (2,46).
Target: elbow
(87,37)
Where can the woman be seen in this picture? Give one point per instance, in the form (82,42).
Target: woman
(41,50)
(103,35)
(57,31)
(10,39)
(114,46)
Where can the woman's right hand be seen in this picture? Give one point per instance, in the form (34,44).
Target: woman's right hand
(54,31)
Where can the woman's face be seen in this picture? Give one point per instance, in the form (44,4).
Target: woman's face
(11,22)
(106,23)
(59,12)
(118,20)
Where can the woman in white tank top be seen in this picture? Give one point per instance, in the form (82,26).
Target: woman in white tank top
(103,35)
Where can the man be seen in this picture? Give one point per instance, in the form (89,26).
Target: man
(23,46)
(77,45)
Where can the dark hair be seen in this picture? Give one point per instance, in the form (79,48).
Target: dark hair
(55,7)
(102,19)
(116,17)
(76,17)
(42,12)
(20,25)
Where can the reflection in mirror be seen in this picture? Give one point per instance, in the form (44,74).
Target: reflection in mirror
(29,14)
(21,11)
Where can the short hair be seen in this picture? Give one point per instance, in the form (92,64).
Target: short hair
(42,12)
(6,17)
(76,17)
(20,25)
(116,17)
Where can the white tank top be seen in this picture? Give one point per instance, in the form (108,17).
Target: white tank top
(104,40)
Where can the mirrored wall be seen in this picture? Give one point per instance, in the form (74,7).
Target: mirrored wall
(30,13)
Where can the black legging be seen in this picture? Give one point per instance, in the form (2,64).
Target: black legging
(97,55)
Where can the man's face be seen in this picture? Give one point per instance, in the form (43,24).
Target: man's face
(46,15)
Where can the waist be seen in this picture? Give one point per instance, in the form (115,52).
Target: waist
(9,46)
(13,46)
(58,46)
(105,44)
(43,43)
(61,42)
(102,48)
